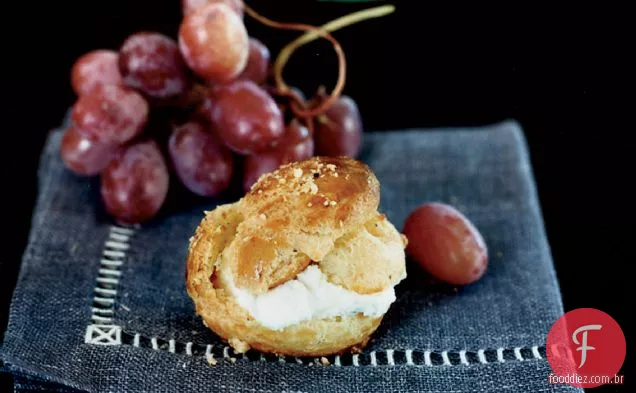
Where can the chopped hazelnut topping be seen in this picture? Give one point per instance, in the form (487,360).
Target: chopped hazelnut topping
(331,167)
(324,361)
(309,204)
(313,188)
(333,203)
(298,172)
(260,191)
(326,203)
(263,216)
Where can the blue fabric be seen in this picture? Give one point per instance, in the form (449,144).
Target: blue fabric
(103,308)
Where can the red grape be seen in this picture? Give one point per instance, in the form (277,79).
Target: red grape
(445,243)
(257,63)
(214,42)
(297,143)
(135,183)
(339,133)
(257,165)
(189,6)
(110,114)
(152,64)
(201,161)
(82,155)
(246,117)
(96,68)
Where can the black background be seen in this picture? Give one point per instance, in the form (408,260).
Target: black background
(562,73)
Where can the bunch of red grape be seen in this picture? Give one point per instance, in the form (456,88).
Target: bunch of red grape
(218,76)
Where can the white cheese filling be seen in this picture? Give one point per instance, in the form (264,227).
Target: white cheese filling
(309,296)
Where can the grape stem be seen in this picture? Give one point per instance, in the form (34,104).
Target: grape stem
(312,33)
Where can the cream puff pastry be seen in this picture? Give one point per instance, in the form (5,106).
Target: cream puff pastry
(302,265)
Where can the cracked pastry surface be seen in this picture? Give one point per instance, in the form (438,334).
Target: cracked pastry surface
(302,265)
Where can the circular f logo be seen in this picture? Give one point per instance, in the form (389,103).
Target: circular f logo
(585,347)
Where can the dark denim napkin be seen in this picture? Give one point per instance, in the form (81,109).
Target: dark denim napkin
(100,307)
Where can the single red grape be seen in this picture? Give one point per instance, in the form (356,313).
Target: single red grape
(189,6)
(257,165)
(135,183)
(297,143)
(96,68)
(257,62)
(214,42)
(339,132)
(201,161)
(152,64)
(246,117)
(83,155)
(446,244)
(110,114)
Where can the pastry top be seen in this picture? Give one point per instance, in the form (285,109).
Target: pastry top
(294,216)
(320,195)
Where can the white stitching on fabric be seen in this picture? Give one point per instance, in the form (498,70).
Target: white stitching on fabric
(481,356)
(114,253)
(107,280)
(116,245)
(103,334)
(462,357)
(409,357)
(122,230)
(500,357)
(208,354)
(110,272)
(389,357)
(427,358)
(110,263)
(105,292)
(101,320)
(445,358)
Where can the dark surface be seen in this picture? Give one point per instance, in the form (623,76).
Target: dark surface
(560,72)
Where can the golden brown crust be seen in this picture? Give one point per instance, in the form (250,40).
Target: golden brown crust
(367,260)
(270,236)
